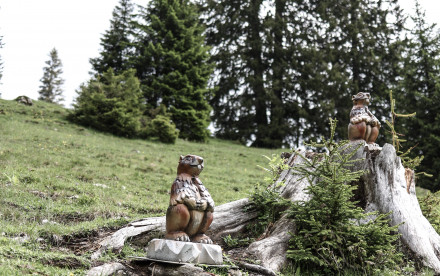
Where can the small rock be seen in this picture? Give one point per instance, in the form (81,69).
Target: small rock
(234,272)
(22,238)
(24,100)
(101,185)
(108,269)
(45,221)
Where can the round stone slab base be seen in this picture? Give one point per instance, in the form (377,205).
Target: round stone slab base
(184,252)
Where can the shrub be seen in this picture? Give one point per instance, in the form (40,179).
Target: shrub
(266,198)
(333,234)
(110,103)
(430,205)
(164,129)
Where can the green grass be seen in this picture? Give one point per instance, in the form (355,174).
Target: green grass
(61,179)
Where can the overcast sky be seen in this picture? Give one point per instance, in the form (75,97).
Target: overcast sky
(31,28)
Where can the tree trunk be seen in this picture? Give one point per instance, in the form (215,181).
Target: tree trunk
(389,187)
(383,188)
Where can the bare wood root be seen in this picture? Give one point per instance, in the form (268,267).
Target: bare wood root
(176,270)
(257,268)
(229,218)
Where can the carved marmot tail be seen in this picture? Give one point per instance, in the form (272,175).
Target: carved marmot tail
(191,206)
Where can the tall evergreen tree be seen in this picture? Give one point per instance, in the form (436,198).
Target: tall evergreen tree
(116,42)
(51,82)
(362,51)
(307,60)
(237,33)
(171,63)
(420,92)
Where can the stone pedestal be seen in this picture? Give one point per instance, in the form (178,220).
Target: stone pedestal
(184,252)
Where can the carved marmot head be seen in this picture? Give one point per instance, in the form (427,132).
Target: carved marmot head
(190,164)
(361,96)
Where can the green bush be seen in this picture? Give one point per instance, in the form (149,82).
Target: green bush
(333,235)
(430,205)
(266,198)
(110,103)
(164,129)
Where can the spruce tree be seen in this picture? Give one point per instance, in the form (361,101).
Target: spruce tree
(172,64)
(116,42)
(419,92)
(51,83)
(243,55)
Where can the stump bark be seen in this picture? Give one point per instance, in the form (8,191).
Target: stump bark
(386,187)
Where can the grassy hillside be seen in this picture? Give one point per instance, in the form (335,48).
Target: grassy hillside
(61,182)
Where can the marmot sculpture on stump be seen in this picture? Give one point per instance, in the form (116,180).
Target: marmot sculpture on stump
(363,124)
(191,206)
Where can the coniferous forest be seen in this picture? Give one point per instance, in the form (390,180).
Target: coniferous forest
(270,73)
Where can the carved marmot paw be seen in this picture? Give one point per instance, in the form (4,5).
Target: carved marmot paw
(178,236)
(202,238)
(183,238)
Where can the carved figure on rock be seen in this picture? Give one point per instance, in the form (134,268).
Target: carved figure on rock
(191,206)
(363,124)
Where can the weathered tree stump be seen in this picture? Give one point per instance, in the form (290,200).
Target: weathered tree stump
(383,188)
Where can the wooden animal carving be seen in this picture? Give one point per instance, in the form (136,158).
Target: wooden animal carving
(191,206)
(363,124)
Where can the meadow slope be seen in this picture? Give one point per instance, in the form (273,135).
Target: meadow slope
(63,185)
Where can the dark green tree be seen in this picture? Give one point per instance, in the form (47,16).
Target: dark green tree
(116,42)
(281,70)
(240,104)
(171,61)
(110,103)
(51,83)
(420,92)
(359,50)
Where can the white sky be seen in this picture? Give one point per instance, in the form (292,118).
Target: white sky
(31,28)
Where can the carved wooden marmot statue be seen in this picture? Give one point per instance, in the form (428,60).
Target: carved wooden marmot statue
(363,124)
(191,206)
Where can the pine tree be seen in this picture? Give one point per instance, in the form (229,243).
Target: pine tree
(51,87)
(172,64)
(116,43)
(420,92)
